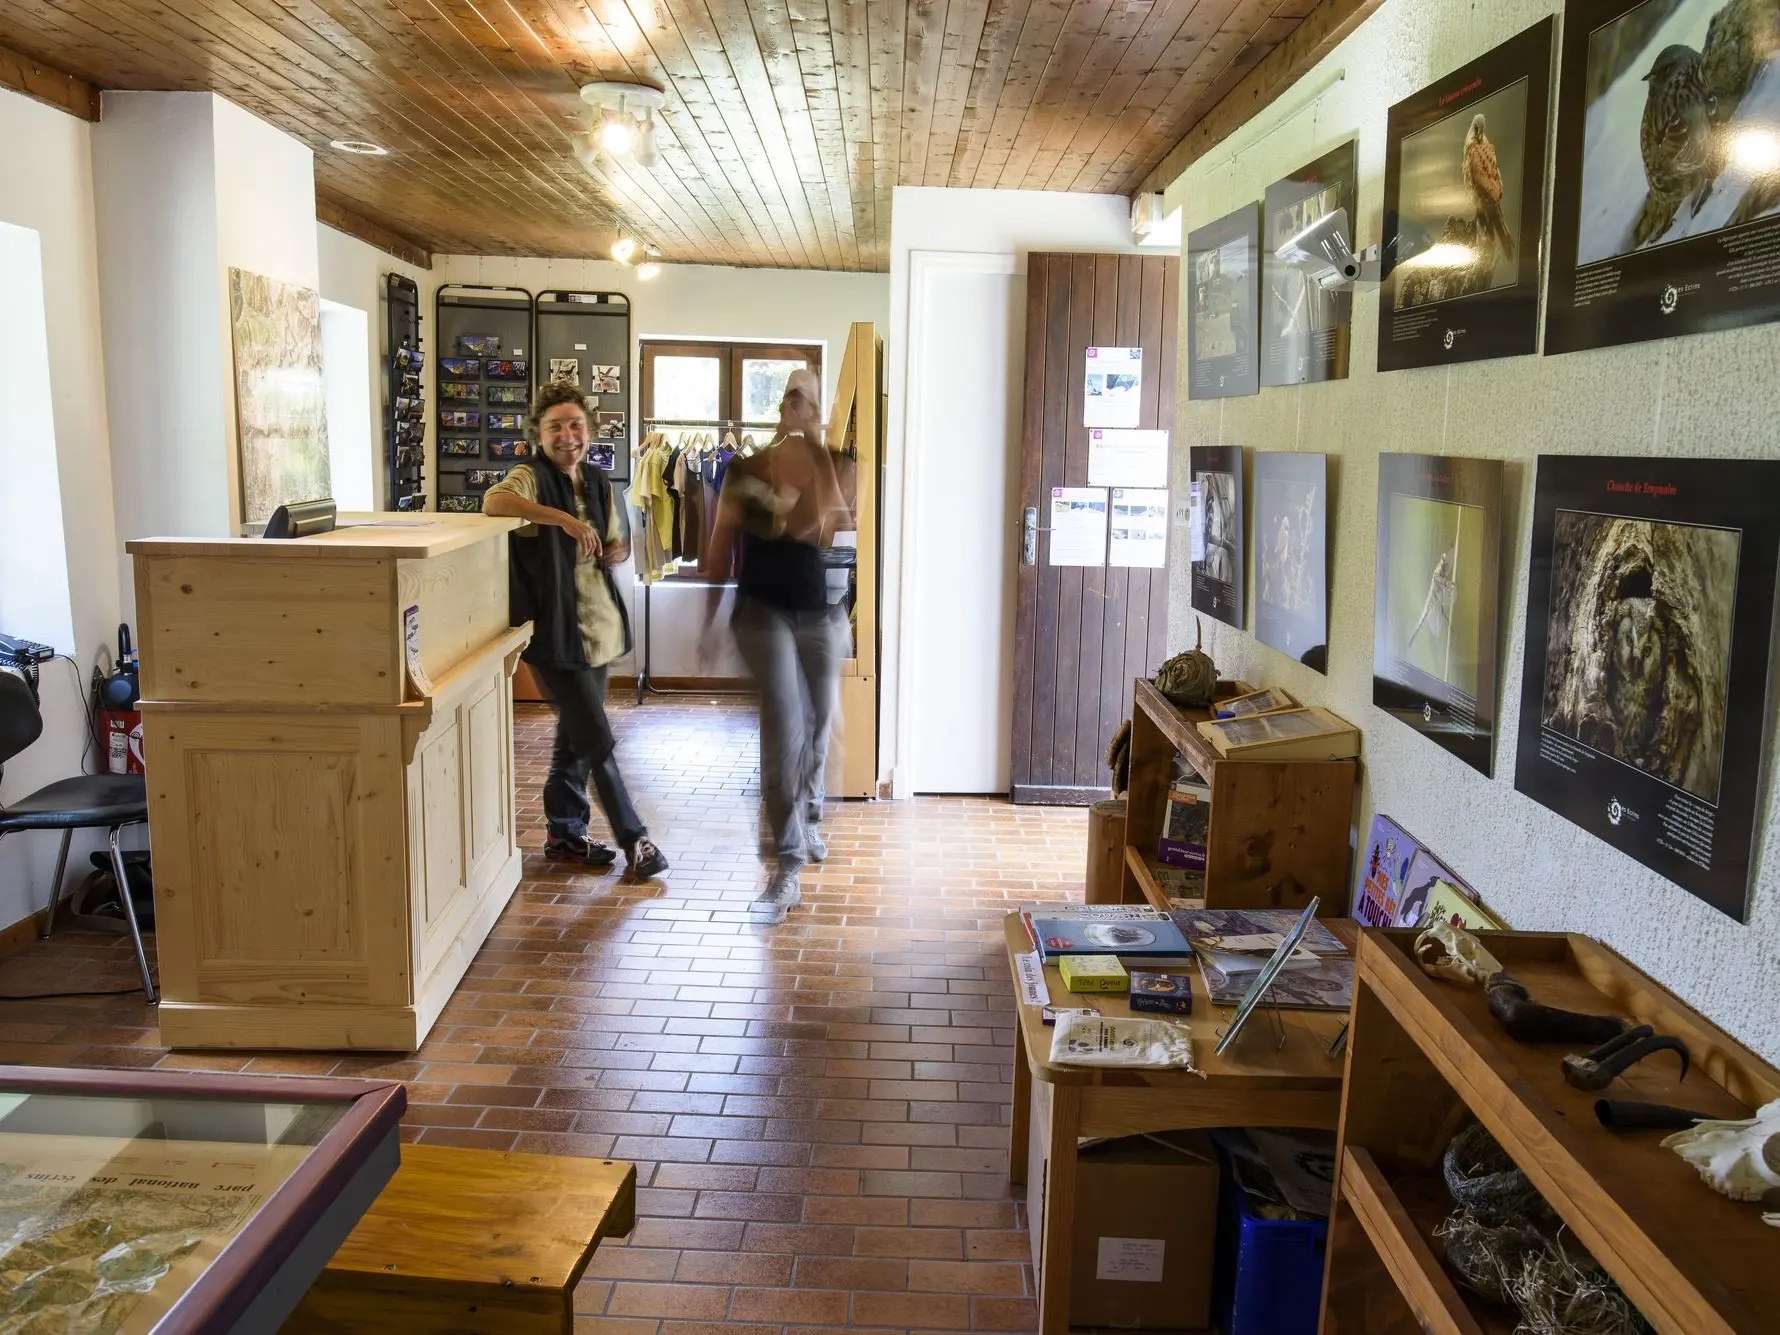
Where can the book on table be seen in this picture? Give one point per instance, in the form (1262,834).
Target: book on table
(1232,946)
(1139,938)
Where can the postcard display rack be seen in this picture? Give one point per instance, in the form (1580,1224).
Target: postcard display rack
(484,376)
(584,338)
(1280,830)
(405,396)
(1426,1057)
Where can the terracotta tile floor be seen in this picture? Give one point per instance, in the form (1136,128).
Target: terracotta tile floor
(817,1111)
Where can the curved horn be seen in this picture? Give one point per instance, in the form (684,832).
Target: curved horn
(1587,1073)
(1528,1021)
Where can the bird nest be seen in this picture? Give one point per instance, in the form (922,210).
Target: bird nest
(1504,1243)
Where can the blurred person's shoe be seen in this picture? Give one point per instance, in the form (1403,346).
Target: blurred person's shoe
(782,894)
(588,852)
(815,847)
(646,860)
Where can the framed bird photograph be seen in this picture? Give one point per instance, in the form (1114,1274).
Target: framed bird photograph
(1645,690)
(1217,579)
(1223,323)
(1666,211)
(1464,205)
(1307,326)
(1435,599)
(1291,554)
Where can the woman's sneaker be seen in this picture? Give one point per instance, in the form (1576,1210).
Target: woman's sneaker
(587,852)
(646,860)
(782,894)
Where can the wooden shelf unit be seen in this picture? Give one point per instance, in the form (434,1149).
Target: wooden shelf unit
(1281,830)
(1424,1057)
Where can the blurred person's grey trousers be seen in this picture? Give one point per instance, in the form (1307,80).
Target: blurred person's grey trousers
(795,658)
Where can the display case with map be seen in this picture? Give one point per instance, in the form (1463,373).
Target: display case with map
(165,1202)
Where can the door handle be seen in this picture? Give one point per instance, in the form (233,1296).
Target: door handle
(1029,537)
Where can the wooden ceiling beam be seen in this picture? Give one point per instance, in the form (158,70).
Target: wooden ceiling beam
(1324,28)
(343,219)
(24,74)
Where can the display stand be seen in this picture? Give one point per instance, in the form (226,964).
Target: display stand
(590,329)
(1427,1056)
(404,399)
(479,437)
(1281,831)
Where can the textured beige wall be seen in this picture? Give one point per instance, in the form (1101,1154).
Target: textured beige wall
(1707,395)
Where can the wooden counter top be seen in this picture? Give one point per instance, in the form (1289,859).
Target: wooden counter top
(377,536)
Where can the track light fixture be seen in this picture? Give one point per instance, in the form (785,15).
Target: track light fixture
(648,270)
(624,250)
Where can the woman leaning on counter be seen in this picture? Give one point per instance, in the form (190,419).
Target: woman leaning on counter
(561,581)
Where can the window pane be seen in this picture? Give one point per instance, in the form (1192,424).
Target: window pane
(687,389)
(763,385)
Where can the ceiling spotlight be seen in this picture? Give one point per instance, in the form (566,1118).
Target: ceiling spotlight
(624,250)
(363,147)
(616,136)
(623,121)
(648,270)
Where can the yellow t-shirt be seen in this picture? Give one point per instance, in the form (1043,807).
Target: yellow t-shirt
(602,628)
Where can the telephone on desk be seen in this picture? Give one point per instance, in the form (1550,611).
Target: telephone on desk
(23,656)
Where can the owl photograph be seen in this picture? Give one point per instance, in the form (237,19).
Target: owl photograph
(1637,658)
(1682,124)
(1459,212)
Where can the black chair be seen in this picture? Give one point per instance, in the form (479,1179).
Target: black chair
(88,802)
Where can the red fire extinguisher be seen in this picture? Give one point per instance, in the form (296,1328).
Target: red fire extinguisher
(120,722)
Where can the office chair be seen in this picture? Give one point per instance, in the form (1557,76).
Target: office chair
(86,802)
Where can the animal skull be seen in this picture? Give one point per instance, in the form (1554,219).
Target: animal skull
(1452,953)
(1737,1159)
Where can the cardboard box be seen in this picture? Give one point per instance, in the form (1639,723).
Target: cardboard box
(1145,1223)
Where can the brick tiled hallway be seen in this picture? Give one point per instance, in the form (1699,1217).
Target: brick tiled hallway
(817,1111)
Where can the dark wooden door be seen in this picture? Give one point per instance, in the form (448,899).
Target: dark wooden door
(1083,633)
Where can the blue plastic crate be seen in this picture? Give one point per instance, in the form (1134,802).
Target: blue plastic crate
(1268,1275)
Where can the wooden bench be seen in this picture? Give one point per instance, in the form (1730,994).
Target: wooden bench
(464,1241)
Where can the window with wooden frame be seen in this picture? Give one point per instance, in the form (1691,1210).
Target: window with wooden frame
(719,384)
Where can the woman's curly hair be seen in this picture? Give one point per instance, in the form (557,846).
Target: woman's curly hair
(557,392)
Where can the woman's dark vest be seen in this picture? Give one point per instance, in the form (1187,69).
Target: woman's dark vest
(541,570)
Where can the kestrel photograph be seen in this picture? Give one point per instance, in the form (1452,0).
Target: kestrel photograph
(1459,210)
(1647,670)
(1464,207)
(1683,109)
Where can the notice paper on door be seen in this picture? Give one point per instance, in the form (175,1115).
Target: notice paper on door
(1136,1260)
(1139,527)
(1113,391)
(1127,458)
(1078,526)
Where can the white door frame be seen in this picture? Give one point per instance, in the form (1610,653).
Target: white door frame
(925,267)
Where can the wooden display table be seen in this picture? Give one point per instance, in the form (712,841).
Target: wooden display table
(330,846)
(471,1240)
(1426,1056)
(1254,1084)
(1281,830)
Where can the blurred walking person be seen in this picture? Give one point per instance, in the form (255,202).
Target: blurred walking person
(778,510)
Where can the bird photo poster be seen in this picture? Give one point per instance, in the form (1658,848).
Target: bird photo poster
(1291,554)
(1644,697)
(1464,205)
(1216,471)
(1306,328)
(1223,288)
(1666,214)
(1435,599)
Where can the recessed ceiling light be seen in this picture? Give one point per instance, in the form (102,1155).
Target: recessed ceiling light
(363,147)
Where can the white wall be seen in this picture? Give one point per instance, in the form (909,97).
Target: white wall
(46,185)
(991,224)
(352,273)
(1693,396)
(352,406)
(696,301)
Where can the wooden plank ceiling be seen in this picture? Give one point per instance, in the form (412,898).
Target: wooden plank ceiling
(788,121)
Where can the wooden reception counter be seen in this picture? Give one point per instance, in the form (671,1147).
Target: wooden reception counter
(331,842)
